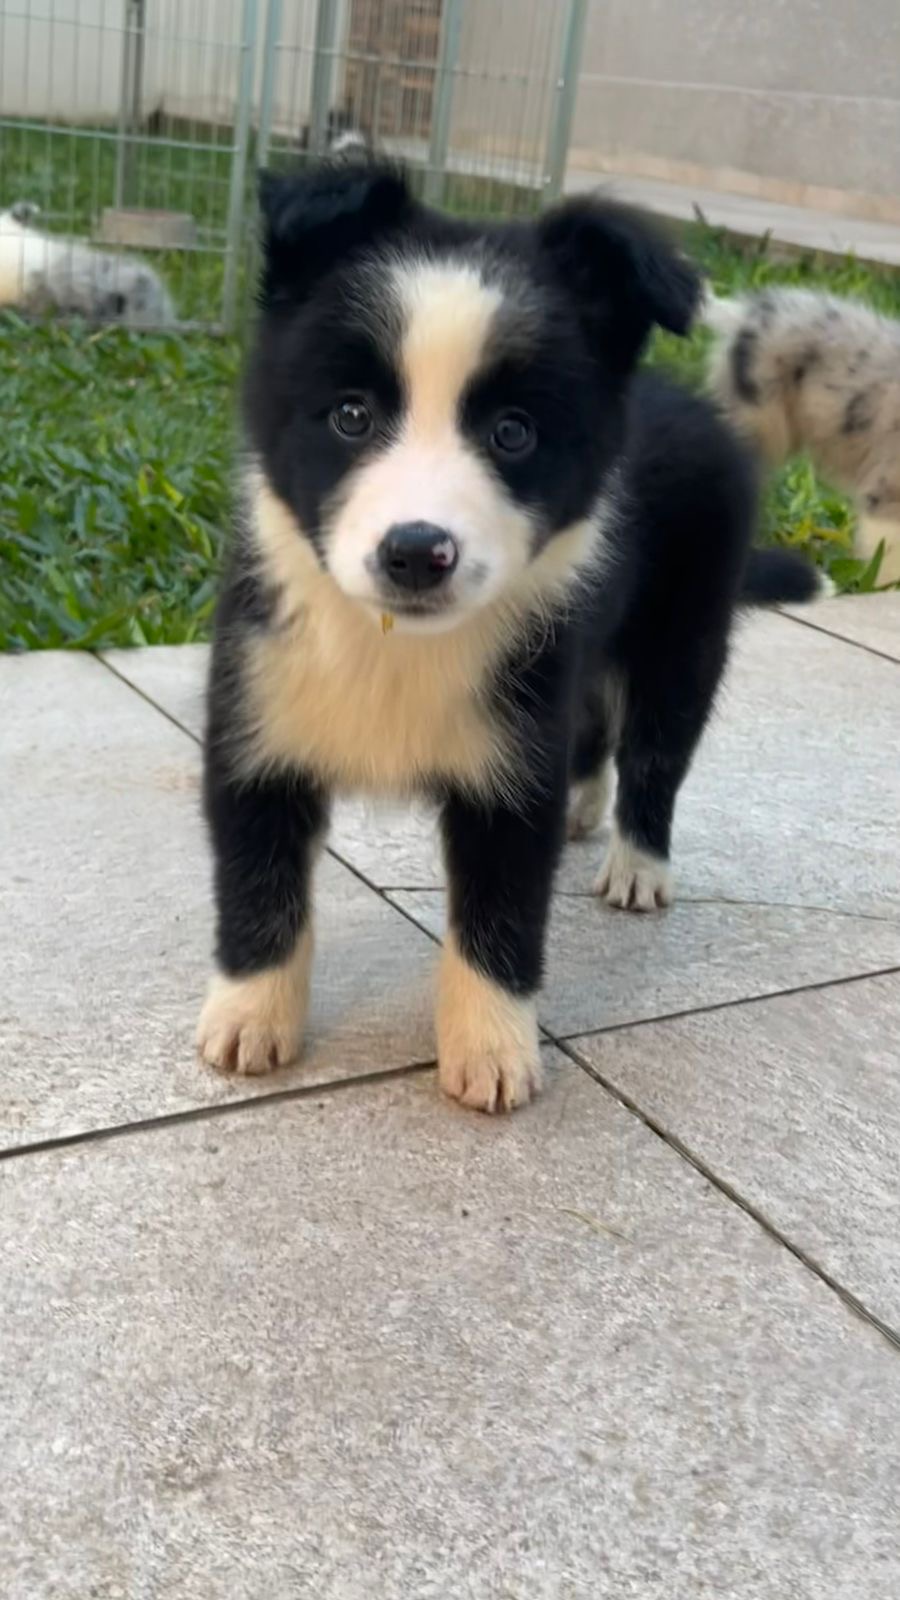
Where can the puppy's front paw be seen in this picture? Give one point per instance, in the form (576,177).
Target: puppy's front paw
(488,1049)
(232,1038)
(489,1080)
(252,1025)
(634,880)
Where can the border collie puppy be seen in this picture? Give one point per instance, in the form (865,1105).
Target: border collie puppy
(797,371)
(475,557)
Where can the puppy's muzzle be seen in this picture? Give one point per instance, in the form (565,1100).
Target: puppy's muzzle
(417,557)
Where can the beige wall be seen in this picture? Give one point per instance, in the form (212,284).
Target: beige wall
(775,97)
(504,93)
(802,91)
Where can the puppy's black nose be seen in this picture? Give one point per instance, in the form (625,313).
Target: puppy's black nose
(417,555)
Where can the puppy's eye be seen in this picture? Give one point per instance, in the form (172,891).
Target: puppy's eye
(352,418)
(514,436)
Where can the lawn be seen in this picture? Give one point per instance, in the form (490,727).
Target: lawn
(116,449)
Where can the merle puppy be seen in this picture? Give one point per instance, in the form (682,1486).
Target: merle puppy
(476,557)
(795,370)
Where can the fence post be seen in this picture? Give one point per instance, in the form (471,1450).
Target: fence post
(322,75)
(271,41)
(238,184)
(442,103)
(560,130)
(129,96)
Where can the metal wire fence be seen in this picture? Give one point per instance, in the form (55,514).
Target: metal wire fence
(131,130)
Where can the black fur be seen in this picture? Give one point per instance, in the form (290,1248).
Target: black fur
(652,625)
(743,353)
(859,412)
(808,362)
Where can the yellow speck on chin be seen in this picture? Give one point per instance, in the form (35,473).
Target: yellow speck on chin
(387,622)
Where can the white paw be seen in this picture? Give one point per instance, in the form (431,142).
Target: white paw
(588,804)
(491,1079)
(633,879)
(488,1050)
(253,1025)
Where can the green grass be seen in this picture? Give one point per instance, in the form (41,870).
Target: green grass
(115,460)
(116,448)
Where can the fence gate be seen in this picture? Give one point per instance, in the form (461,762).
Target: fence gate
(137,125)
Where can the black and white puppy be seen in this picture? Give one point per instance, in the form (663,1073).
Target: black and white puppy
(475,558)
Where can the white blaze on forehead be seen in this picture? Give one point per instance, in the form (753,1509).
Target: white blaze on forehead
(448,312)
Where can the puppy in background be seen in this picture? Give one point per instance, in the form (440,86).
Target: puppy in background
(799,371)
(345,137)
(42,272)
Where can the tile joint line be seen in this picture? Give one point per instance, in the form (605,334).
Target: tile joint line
(729,1192)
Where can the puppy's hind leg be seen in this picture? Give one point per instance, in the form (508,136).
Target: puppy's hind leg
(666,705)
(591,776)
(589,802)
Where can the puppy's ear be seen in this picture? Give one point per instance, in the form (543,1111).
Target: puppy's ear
(623,273)
(317,218)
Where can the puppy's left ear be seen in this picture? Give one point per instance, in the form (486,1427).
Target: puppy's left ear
(624,274)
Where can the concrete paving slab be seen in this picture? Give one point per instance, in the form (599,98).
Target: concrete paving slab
(791,800)
(608,967)
(795,1102)
(173,676)
(870,620)
(391,844)
(369,1345)
(106,927)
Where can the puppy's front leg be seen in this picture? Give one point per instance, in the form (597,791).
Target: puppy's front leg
(265,834)
(500,862)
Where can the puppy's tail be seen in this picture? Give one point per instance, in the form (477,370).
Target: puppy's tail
(782,577)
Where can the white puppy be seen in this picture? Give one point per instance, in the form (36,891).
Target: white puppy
(798,371)
(49,272)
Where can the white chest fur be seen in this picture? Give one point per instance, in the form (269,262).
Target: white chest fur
(366,709)
(382,712)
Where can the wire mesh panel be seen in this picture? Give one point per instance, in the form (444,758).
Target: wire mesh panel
(474,95)
(130,129)
(124,132)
